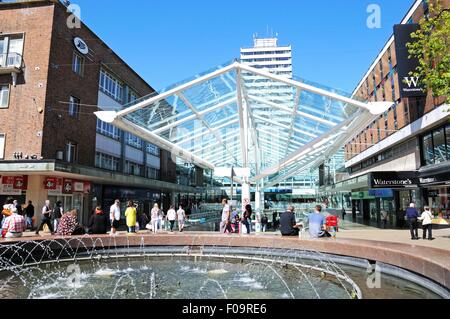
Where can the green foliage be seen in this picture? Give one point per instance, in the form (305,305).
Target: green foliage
(432,48)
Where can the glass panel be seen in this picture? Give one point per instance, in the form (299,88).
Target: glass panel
(440,151)
(4,96)
(428,154)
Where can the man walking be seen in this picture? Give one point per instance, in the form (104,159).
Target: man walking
(114,216)
(29,213)
(45,218)
(412,214)
(225,224)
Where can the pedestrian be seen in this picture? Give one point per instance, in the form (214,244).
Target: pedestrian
(160,219)
(14,225)
(46,218)
(155,218)
(114,216)
(131,214)
(171,217)
(181,216)
(225,224)
(29,213)
(384,218)
(427,223)
(68,225)
(98,223)
(246,218)
(412,214)
(56,215)
(343,213)
(288,224)
(264,222)
(18,207)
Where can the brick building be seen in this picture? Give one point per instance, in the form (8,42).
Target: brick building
(408,143)
(53,76)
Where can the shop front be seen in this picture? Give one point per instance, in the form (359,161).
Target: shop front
(395,191)
(13,187)
(436,193)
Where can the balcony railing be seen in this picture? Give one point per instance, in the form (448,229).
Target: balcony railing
(10,60)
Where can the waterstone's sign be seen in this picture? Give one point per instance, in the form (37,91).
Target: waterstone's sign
(393,179)
(410,86)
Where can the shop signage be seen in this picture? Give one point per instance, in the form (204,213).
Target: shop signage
(67,187)
(81,45)
(57,190)
(393,179)
(50,183)
(13,185)
(409,85)
(87,187)
(78,187)
(381,193)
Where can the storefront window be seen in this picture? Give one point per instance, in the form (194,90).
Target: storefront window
(428,154)
(439,201)
(440,150)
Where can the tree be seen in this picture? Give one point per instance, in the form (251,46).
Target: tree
(432,48)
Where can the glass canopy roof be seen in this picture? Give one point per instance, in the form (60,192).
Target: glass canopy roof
(238,116)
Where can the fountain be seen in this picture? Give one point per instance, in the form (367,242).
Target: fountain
(129,268)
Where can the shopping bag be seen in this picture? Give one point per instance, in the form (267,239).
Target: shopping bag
(149,226)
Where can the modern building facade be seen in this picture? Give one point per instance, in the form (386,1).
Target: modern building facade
(404,155)
(53,77)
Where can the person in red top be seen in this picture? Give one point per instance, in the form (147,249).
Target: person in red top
(14,226)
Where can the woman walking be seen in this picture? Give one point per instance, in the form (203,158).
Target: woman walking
(427,223)
(155,218)
(246,220)
(171,217)
(131,214)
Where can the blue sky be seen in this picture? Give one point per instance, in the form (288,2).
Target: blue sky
(167,41)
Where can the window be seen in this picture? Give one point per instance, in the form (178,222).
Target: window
(4,96)
(133,169)
(394,109)
(105,161)
(71,152)
(78,64)
(133,140)
(108,130)
(74,107)
(153,149)
(2,145)
(440,149)
(436,146)
(11,47)
(153,173)
(132,96)
(111,86)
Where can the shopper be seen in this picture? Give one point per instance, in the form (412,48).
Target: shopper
(246,218)
(29,214)
(384,218)
(264,222)
(114,216)
(14,225)
(56,214)
(427,223)
(46,218)
(412,214)
(131,214)
(18,207)
(181,216)
(155,218)
(68,225)
(288,224)
(98,223)
(171,217)
(316,222)
(161,219)
(225,224)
